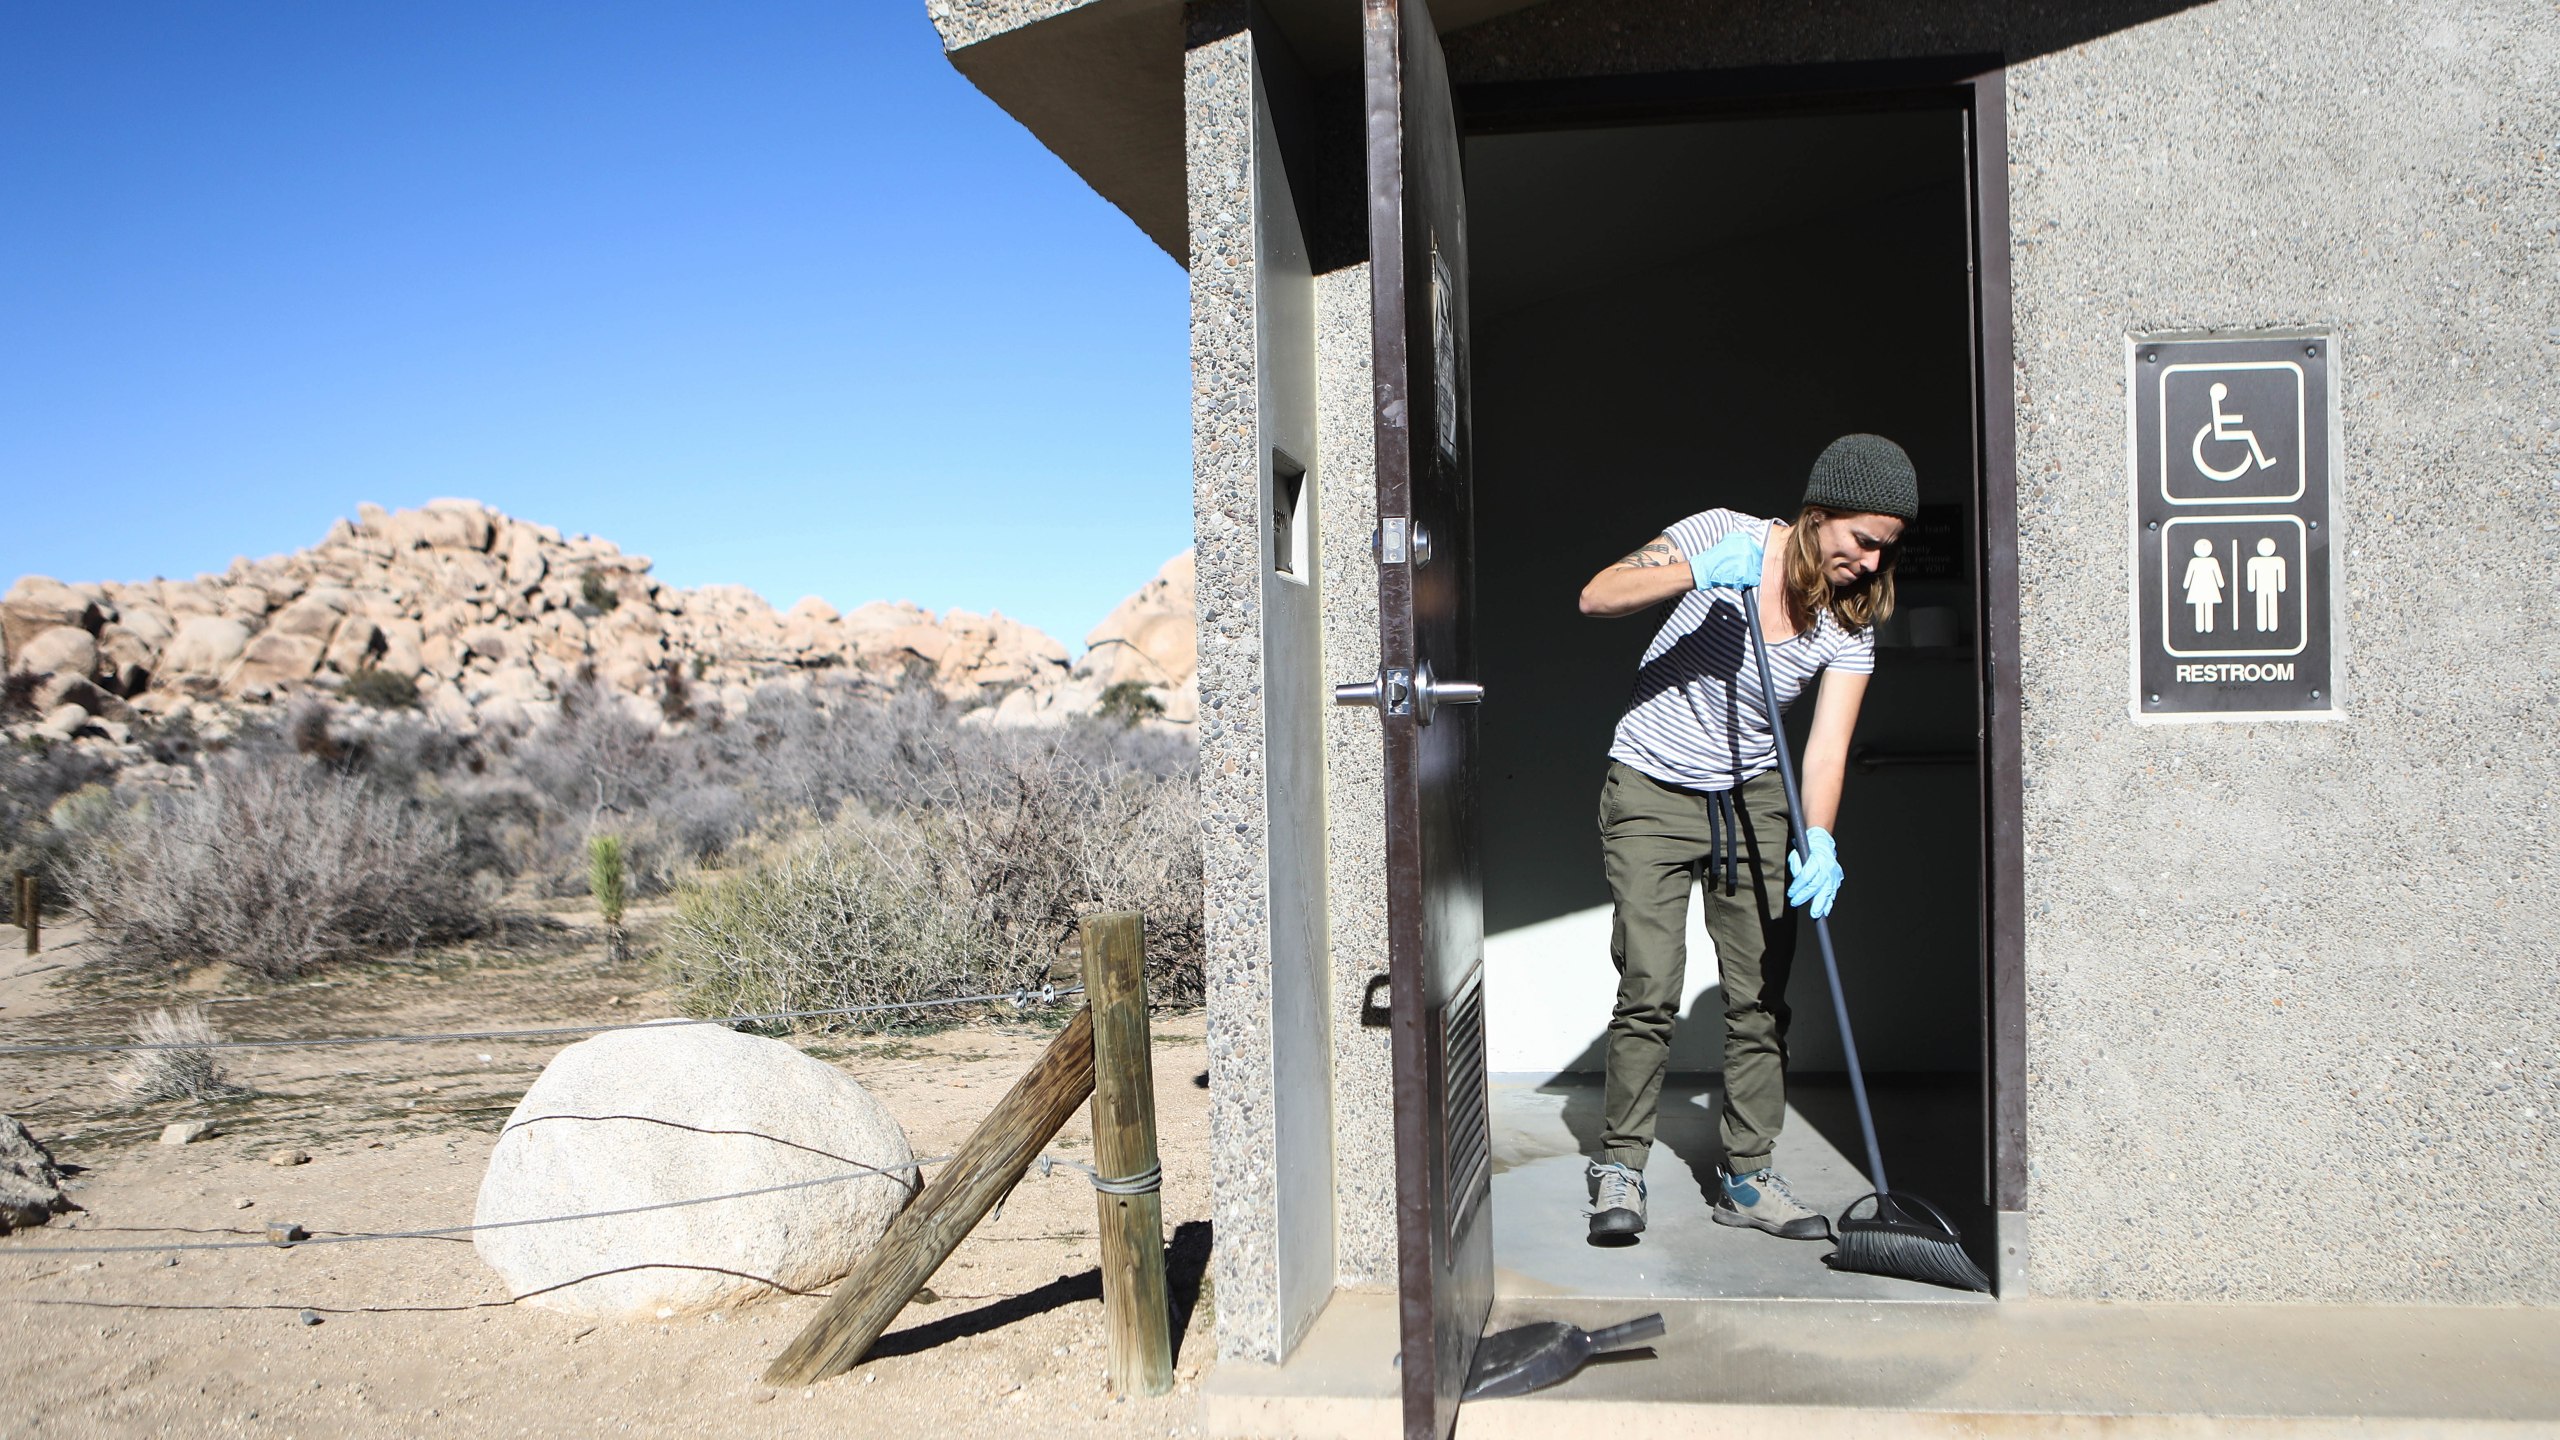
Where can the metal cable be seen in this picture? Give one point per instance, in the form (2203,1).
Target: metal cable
(361,1236)
(1133,1185)
(1020,998)
(1145,1182)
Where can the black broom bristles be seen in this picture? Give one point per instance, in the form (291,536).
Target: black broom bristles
(1891,1243)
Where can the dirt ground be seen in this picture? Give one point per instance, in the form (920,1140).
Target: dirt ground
(416,1336)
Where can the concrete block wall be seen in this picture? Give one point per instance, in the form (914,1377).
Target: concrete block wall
(2305,973)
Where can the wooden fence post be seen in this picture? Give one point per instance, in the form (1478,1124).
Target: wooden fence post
(30,911)
(1128,1195)
(926,1232)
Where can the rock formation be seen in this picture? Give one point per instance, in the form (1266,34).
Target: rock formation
(490,618)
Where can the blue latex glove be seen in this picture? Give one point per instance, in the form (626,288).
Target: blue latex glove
(1732,562)
(1817,881)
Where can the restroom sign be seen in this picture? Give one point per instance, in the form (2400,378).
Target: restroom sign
(2231,486)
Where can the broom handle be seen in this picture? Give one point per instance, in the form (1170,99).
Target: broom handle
(1821,925)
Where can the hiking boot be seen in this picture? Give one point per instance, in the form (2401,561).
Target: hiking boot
(1617,1202)
(1762,1201)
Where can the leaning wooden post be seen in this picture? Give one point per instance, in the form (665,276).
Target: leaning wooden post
(1127,1177)
(30,911)
(926,1232)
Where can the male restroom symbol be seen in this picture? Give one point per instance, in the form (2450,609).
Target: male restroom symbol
(2224,429)
(2266,580)
(2204,582)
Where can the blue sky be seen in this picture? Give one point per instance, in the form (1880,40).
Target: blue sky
(766,292)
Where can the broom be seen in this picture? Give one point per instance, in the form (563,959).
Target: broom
(1906,1237)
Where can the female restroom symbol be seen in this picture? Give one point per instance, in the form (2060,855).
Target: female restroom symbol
(2203,584)
(2224,430)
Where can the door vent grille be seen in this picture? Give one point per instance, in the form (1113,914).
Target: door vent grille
(1466,1127)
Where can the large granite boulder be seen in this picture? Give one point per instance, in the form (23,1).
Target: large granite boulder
(59,650)
(205,647)
(37,603)
(642,1117)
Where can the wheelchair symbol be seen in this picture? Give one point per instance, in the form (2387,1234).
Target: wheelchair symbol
(2224,429)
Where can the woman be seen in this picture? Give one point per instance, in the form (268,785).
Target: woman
(1692,794)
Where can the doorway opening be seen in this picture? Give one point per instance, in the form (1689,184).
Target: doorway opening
(1670,316)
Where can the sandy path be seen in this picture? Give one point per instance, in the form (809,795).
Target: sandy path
(1009,1343)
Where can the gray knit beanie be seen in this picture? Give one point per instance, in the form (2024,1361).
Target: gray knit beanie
(1865,475)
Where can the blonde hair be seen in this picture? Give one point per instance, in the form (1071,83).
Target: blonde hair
(1858,605)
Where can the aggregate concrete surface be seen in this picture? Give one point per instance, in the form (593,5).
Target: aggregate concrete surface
(2290,987)
(1007,1339)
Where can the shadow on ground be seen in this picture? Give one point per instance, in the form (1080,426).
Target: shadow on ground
(1186,1267)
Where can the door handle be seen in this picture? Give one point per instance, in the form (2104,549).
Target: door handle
(1398,691)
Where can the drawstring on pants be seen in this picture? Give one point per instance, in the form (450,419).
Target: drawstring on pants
(1724,834)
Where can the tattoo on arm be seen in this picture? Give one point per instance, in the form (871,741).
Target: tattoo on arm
(1661,552)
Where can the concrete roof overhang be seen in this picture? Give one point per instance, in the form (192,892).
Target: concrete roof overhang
(1100,82)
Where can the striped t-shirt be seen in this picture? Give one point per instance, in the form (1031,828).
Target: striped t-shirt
(1696,717)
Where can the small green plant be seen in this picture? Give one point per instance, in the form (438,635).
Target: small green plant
(598,591)
(381,689)
(608,876)
(1128,703)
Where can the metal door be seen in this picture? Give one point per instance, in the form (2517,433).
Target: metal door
(1425,552)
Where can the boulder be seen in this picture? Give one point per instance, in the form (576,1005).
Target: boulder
(272,661)
(38,603)
(63,721)
(30,1183)
(126,658)
(313,616)
(57,650)
(1152,638)
(248,602)
(523,559)
(695,1111)
(442,525)
(188,597)
(205,645)
(401,642)
(357,643)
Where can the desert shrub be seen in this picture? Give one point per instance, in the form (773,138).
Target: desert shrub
(1127,702)
(33,780)
(186,1072)
(381,689)
(596,758)
(497,820)
(699,821)
(275,867)
(972,882)
(861,912)
(18,694)
(598,591)
(675,695)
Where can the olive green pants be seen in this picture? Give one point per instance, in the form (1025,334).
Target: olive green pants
(1654,843)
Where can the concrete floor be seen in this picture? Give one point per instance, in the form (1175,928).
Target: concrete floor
(1543,1130)
(1834,1371)
(1762,1339)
